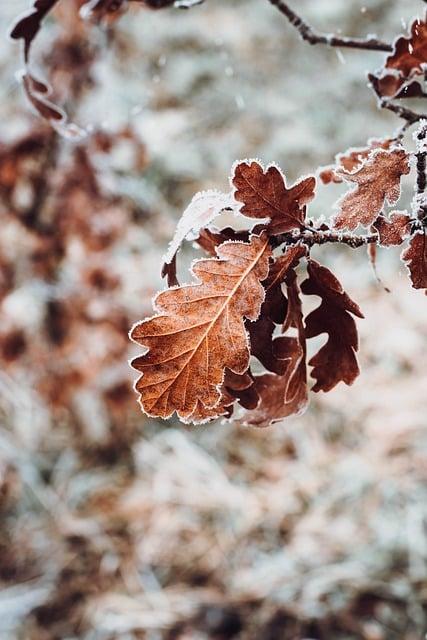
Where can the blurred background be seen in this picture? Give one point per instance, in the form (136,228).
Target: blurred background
(116,526)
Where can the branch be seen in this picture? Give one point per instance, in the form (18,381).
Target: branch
(314,37)
(313,237)
(403,112)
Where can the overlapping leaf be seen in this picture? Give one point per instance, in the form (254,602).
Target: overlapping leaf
(409,59)
(200,331)
(264,194)
(415,258)
(352,159)
(274,312)
(377,180)
(336,361)
(392,231)
(284,395)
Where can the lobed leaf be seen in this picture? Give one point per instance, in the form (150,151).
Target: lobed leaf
(200,332)
(394,230)
(264,194)
(415,258)
(336,361)
(377,180)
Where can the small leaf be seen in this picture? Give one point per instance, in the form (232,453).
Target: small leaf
(336,361)
(264,195)
(377,180)
(394,230)
(200,332)
(203,208)
(415,258)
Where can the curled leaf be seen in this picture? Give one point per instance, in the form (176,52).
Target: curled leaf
(203,208)
(336,361)
(415,258)
(199,331)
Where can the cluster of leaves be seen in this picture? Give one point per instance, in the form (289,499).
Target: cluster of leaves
(246,299)
(208,340)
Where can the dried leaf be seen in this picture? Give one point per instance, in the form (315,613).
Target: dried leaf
(284,395)
(377,180)
(394,230)
(394,86)
(415,258)
(410,53)
(200,332)
(203,208)
(336,361)
(274,312)
(264,195)
(29,25)
(209,240)
(352,159)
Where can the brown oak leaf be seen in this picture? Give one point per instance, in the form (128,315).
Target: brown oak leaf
(336,361)
(274,311)
(415,258)
(392,231)
(377,180)
(284,395)
(351,159)
(264,194)
(199,331)
(409,59)
(410,53)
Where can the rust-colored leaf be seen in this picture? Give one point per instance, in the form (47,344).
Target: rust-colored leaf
(410,53)
(200,331)
(274,312)
(392,231)
(415,258)
(377,180)
(351,159)
(395,79)
(336,361)
(284,395)
(264,195)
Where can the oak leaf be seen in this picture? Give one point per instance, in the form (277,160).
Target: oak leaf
(377,180)
(351,159)
(415,258)
(336,361)
(203,208)
(284,395)
(392,231)
(264,194)
(274,311)
(199,331)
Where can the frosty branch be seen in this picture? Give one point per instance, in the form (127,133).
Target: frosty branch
(233,343)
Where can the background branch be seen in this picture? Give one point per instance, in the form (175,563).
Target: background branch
(314,37)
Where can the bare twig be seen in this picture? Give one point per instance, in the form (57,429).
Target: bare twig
(403,112)
(313,37)
(313,237)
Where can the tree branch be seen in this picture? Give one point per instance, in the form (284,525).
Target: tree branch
(313,237)
(403,112)
(314,37)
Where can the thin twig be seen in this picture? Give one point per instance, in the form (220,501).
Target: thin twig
(314,37)
(403,112)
